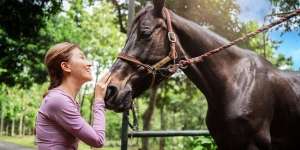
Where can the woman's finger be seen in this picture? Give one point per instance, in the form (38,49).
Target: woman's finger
(105,77)
(108,81)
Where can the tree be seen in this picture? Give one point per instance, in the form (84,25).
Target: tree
(264,46)
(18,108)
(219,16)
(203,12)
(95,32)
(281,7)
(25,18)
(147,115)
(22,46)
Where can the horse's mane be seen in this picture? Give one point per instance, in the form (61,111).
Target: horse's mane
(207,36)
(203,32)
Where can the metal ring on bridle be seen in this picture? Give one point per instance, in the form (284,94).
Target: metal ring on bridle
(172,37)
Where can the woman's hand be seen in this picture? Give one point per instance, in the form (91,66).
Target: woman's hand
(101,86)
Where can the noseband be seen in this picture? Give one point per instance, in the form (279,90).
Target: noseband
(157,66)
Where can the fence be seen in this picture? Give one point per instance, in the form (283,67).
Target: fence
(140,134)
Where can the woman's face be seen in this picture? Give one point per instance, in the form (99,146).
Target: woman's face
(80,67)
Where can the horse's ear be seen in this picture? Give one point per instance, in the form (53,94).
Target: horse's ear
(158,6)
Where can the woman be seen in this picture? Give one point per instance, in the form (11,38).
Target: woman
(59,124)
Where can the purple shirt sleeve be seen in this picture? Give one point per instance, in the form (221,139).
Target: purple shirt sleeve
(66,113)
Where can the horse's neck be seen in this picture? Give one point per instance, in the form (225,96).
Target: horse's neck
(210,76)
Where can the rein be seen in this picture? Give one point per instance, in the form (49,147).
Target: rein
(186,62)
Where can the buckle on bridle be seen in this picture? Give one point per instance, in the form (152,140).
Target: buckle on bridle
(172,37)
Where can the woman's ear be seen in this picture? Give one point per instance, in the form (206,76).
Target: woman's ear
(65,66)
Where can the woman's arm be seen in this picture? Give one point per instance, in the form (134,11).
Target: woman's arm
(98,125)
(65,113)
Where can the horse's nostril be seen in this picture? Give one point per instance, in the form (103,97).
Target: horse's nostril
(111,92)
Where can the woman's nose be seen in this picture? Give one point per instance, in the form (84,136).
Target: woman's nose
(89,63)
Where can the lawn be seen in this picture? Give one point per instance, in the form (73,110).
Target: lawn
(28,141)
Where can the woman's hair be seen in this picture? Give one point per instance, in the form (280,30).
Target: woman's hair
(55,55)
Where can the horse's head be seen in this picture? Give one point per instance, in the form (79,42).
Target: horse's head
(147,43)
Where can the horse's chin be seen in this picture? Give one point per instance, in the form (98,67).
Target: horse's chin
(120,103)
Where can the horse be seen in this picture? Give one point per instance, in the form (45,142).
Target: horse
(251,104)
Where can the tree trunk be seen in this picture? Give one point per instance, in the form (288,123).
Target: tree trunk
(1,121)
(162,127)
(24,129)
(29,131)
(21,125)
(93,97)
(82,99)
(6,130)
(148,115)
(13,127)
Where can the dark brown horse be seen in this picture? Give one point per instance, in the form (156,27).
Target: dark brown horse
(251,104)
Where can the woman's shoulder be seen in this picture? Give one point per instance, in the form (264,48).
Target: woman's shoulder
(58,93)
(57,98)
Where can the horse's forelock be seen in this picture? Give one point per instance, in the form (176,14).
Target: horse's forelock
(139,15)
(158,6)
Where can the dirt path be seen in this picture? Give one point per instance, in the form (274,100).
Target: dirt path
(11,146)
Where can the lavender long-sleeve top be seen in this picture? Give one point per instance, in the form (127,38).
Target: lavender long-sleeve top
(59,124)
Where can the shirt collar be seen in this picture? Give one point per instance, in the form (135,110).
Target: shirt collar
(66,94)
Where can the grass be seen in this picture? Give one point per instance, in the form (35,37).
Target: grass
(28,141)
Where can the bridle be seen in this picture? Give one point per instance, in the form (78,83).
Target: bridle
(182,64)
(152,69)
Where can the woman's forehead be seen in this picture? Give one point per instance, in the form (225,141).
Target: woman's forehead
(77,51)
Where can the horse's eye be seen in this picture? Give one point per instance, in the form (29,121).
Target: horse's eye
(146,34)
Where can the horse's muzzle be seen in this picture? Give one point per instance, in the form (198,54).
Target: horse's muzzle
(118,100)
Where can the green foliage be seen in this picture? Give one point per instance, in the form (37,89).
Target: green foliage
(25,18)
(177,95)
(113,122)
(22,46)
(18,104)
(21,57)
(95,32)
(219,16)
(264,46)
(21,60)
(282,61)
(201,143)
(223,21)
(284,6)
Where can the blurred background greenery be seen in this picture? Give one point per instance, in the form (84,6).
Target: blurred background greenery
(29,27)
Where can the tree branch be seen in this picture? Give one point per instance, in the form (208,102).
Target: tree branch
(120,19)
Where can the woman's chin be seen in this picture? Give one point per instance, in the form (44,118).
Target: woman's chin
(87,78)
(90,79)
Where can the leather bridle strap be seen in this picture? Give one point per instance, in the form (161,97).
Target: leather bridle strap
(135,61)
(171,35)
